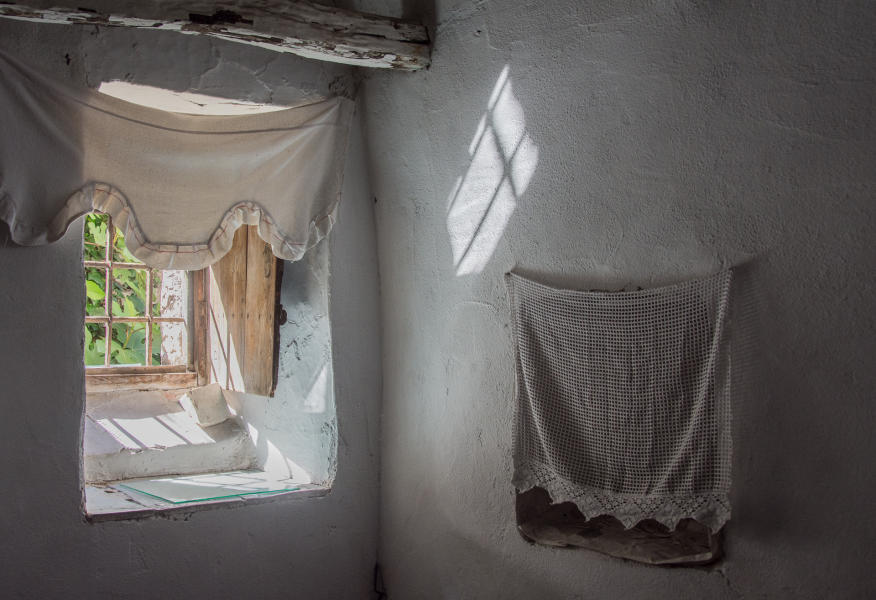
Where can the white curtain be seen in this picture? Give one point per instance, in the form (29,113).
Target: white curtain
(178,185)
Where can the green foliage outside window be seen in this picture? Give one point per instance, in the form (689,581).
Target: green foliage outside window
(127,299)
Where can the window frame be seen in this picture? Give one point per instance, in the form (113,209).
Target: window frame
(152,377)
(257,317)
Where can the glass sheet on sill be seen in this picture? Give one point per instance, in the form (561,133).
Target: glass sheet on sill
(208,486)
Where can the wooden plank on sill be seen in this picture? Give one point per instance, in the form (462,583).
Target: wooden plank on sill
(261,271)
(154,381)
(302,28)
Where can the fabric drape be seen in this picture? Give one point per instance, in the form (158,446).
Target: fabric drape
(177,185)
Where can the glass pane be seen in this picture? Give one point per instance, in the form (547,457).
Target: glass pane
(129,292)
(120,249)
(171,344)
(212,486)
(157,278)
(128,344)
(94,344)
(94,236)
(95,282)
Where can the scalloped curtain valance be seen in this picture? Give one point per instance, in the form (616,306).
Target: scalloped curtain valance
(178,185)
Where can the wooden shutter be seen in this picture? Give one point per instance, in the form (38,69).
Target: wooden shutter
(241,304)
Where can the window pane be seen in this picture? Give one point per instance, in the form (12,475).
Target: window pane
(157,278)
(128,297)
(95,282)
(94,344)
(120,249)
(129,292)
(94,236)
(128,344)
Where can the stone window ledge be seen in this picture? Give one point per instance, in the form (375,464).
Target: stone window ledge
(192,447)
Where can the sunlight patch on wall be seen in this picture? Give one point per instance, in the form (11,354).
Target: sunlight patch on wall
(274,461)
(503,161)
(319,390)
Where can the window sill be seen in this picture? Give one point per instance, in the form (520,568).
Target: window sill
(113,502)
(195,448)
(134,434)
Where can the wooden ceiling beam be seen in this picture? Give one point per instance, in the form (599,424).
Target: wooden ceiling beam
(298,27)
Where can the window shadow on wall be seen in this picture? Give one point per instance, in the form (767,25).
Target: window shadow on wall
(503,159)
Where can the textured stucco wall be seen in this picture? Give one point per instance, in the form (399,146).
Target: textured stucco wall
(296,431)
(315,548)
(633,144)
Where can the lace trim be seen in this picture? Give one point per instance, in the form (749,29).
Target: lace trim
(712,509)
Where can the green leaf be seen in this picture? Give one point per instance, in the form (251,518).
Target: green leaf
(128,357)
(131,309)
(137,340)
(121,252)
(96,275)
(94,356)
(126,309)
(93,291)
(95,229)
(93,348)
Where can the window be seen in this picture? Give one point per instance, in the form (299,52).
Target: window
(149,328)
(138,320)
(281,170)
(154,341)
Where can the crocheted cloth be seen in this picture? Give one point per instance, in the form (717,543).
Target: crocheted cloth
(623,403)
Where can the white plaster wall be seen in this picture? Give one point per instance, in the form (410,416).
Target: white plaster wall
(668,139)
(314,548)
(306,377)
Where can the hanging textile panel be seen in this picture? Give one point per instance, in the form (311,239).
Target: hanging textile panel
(623,400)
(178,185)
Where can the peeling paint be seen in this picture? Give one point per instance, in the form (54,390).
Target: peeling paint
(348,38)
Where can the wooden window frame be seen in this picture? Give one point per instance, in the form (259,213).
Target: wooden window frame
(107,377)
(249,277)
(163,377)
